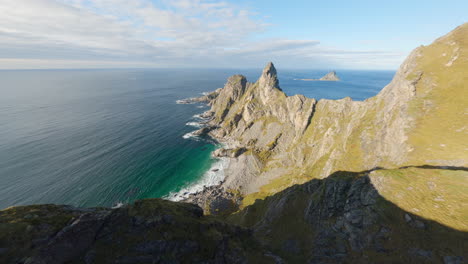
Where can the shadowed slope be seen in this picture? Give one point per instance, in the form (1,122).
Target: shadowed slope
(345,218)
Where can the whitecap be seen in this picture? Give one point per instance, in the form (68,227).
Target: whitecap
(214,176)
(183,101)
(118,205)
(194,124)
(191,135)
(201,117)
(198,116)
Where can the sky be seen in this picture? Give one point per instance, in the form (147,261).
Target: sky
(358,34)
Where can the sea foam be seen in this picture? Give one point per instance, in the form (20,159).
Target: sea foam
(214,176)
(195,124)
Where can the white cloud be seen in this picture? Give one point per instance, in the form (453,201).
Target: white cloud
(109,33)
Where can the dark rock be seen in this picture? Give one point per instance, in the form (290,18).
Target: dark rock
(291,246)
(420,253)
(408,218)
(453,260)
(71,241)
(137,260)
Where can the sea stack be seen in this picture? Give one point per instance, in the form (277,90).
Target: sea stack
(331,76)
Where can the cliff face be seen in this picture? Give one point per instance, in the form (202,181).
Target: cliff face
(328,181)
(148,231)
(418,119)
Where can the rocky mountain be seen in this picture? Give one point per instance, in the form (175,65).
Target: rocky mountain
(418,119)
(331,76)
(329,181)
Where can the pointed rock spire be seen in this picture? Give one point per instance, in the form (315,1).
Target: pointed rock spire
(269,77)
(269,69)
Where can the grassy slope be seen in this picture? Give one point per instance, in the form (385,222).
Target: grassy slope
(441,107)
(436,194)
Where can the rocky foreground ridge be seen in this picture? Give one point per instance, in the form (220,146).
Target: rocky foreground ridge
(328,181)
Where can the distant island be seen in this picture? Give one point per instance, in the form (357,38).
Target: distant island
(331,76)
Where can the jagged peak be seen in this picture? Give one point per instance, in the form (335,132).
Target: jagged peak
(269,69)
(269,78)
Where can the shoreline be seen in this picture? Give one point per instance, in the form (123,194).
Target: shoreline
(210,191)
(212,180)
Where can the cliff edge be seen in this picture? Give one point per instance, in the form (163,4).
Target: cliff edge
(329,181)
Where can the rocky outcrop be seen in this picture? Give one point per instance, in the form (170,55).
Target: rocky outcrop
(203,99)
(149,231)
(331,76)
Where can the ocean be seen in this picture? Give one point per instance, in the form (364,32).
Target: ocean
(105,137)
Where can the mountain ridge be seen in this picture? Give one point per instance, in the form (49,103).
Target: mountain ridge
(342,134)
(309,181)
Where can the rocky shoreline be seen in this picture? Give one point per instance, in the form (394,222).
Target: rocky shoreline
(215,199)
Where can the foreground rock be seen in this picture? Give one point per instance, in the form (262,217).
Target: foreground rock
(149,231)
(343,218)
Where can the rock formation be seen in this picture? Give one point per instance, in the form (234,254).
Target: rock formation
(331,76)
(328,181)
(416,120)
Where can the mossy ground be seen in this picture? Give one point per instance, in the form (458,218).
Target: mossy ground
(436,194)
(441,107)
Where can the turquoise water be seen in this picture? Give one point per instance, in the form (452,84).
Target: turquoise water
(100,137)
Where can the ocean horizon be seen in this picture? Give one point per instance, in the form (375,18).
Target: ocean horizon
(101,137)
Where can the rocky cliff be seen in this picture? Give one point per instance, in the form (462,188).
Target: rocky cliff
(418,119)
(330,181)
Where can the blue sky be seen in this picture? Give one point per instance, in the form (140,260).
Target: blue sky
(202,33)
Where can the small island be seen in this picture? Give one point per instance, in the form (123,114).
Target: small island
(331,76)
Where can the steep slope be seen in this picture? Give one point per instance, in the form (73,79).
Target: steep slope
(148,231)
(418,119)
(379,181)
(345,219)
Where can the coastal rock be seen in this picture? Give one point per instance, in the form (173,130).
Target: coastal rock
(206,98)
(308,139)
(331,76)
